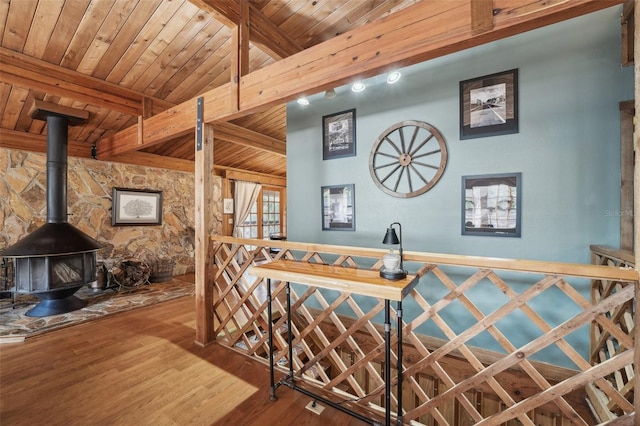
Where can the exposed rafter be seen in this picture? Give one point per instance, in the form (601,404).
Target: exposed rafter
(420,32)
(28,72)
(264,33)
(31,73)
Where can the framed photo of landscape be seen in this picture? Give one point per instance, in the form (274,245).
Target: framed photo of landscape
(339,135)
(489,105)
(136,207)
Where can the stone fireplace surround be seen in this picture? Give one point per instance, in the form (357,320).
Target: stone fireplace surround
(90,183)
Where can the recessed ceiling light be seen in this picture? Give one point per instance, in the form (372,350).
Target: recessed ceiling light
(393,77)
(303,101)
(358,86)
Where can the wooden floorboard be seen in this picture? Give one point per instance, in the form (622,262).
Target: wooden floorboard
(142,367)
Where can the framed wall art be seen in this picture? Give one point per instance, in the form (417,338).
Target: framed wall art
(489,105)
(338,208)
(339,135)
(136,207)
(492,205)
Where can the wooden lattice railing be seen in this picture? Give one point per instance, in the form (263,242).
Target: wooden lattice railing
(604,344)
(523,314)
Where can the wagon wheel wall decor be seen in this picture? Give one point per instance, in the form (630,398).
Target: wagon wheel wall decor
(408,159)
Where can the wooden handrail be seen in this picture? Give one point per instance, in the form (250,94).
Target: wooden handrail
(505,264)
(625,256)
(338,340)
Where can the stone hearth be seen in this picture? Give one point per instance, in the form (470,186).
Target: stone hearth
(15,326)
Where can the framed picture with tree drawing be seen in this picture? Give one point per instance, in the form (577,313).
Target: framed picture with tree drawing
(136,207)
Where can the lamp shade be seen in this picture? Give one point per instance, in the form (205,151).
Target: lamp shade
(391,237)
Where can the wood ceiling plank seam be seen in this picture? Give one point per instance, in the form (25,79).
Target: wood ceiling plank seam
(302,19)
(109,122)
(5,91)
(203,77)
(101,40)
(208,57)
(24,119)
(278,15)
(140,42)
(85,33)
(12,114)
(176,54)
(187,55)
(259,59)
(129,33)
(16,30)
(90,131)
(4,13)
(42,26)
(171,30)
(333,23)
(70,18)
(301,27)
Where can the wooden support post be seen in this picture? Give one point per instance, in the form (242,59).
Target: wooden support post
(481,16)
(239,53)
(627,112)
(203,199)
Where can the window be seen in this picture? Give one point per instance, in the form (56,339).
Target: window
(271,217)
(267,215)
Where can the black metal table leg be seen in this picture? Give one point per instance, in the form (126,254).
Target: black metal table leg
(272,392)
(399,372)
(387,362)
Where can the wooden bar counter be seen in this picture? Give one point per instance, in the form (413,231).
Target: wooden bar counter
(347,280)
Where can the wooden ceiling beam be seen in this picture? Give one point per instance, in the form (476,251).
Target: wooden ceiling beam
(65,83)
(424,31)
(241,136)
(420,32)
(264,33)
(13,139)
(23,141)
(32,73)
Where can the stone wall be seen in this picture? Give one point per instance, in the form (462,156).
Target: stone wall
(89,192)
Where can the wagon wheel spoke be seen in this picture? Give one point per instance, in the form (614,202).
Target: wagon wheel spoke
(413,160)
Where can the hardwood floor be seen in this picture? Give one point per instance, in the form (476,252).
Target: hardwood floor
(142,367)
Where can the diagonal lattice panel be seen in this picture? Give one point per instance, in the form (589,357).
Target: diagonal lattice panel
(339,345)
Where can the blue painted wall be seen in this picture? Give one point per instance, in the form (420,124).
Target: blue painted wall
(567,149)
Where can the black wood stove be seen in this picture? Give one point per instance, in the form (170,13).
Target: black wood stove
(57,259)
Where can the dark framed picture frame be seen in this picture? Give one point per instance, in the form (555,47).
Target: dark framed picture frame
(492,205)
(489,105)
(136,207)
(339,135)
(338,207)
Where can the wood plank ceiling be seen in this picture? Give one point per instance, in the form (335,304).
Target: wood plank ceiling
(124,59)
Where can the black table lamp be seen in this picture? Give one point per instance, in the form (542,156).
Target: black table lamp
(397,272)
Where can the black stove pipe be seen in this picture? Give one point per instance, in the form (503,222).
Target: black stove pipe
(57,148)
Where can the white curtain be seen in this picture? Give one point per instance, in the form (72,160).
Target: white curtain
(245,194)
